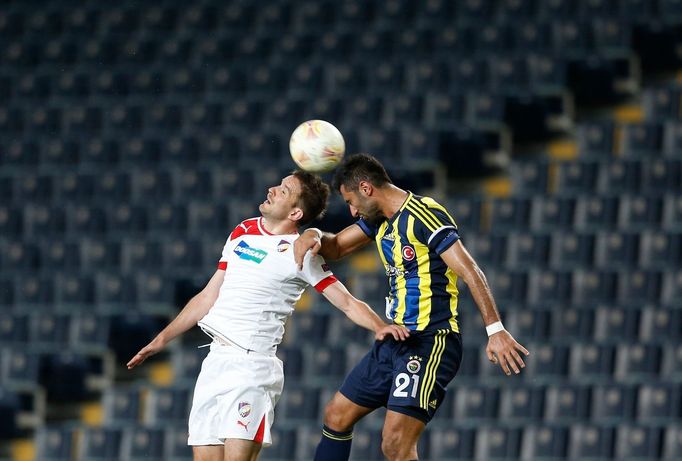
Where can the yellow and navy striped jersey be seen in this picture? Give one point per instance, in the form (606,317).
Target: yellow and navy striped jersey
(422,289)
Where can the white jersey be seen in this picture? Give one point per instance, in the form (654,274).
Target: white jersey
(261,286)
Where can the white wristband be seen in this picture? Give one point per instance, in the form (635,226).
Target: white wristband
(493,328)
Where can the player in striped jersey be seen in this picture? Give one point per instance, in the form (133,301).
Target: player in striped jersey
(419,245)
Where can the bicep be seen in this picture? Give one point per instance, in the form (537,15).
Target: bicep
(459,260)
(212,289)
(350,239)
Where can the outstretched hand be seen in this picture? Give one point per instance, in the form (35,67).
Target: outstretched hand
(399,333)
(504,350)
(308,240)
(150,349)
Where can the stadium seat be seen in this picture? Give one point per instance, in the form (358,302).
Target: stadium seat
(187,363)
(324,363)
(636,442)
(639,287)
(616,323)
(672,288)
(451,443)
(659,325)
(613,403)
(34,291)
(55,443)
(167,405)
(113,187)
(592,362)
(525,251)
(544,442)
(573,324)
(20,257)
(175,441)
(591,286)
(143,444)
(89,332)
(103,444)
(497,443)
(660,250)
(588,441)
(637,361)
(596,213)
(522,404)
(672,448)
(122,405)
(510,214)
(549,287)
(577,177)
(44,220)
(299,402)
(75,187)
(140,254)
(488,250)
(547,363)
(567,403)
(658,402)
(623,176)
(14,328)
(639,213)
(672,213)
(509,287)
(571,251)
(283,444)
(661,176)
(596,139)
(474,403)
(642,140)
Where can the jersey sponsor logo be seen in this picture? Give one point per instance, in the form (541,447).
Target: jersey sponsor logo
(394,271)
(244,409)
(325,267)
(408,253)
(283,246)
(249,253)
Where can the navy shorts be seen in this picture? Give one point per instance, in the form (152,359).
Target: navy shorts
(408,376)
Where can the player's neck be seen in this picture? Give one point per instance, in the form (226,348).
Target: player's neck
(284,227)
(393,198)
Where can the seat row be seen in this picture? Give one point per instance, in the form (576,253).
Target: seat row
(490,441)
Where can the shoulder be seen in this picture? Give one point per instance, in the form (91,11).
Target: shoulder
(246,227)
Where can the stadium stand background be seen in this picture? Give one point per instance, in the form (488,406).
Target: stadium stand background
(134,135)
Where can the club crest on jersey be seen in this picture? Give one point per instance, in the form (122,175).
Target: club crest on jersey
(249,253)
(244,409)
(325,267)
(408,253)
(283,246)
(414,365)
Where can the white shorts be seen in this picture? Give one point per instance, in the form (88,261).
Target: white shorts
(235,397)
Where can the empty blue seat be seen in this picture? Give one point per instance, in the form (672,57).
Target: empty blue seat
(526,251)
(143,444)
(616,323)
(187,363)
(522,404)
(589,441)
(488,250)
(140,254)
(572,250)
(553,287)
(151,185)
(659,402)
(103,444)
(451,443)
(637,361)
(592,362)
(637,442)
(20,366)
(168,405)
(299,402)
(509,287)
(672,448)
(325,363)
(122,405)
(592,286)
(115,291)
(660,325)
(89,332)
(596,213)
(619,177)
(49,329)
(547,362)
(75,187)
(573,324)
(44,220)
(498,443)
(613,403)
(672,289)
(639,287)
(35,291)
(176,443)
(181,255)
(57,153)
(660,250)
(642,140)
(660,177)
(54,443)
(544,442)
(577,177)
(639,213)
(168,218)
(596,139)
(510,214)
(567,403)
(476,403)
(113,187)
(11,220)
(284,443)
(21,257)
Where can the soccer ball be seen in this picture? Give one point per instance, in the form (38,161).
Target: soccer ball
(317,146)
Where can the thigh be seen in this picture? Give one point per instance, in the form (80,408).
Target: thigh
(368,384)
(341,414)
(241,450)
(422,370)
(401,433)
(208,452)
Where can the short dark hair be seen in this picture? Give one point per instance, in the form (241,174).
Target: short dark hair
(313,198)
(360,167)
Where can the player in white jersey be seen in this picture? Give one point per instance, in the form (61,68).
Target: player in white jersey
(243,308)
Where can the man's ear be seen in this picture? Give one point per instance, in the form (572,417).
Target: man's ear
(366,188)
(296,214)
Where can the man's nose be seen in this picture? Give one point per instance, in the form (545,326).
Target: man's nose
(353,211)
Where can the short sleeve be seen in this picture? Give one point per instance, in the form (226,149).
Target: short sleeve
(222,263)
(316,272)
(434,226)
(368,229)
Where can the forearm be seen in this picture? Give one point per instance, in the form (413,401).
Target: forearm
(361,314)
(480,291)
(329,248)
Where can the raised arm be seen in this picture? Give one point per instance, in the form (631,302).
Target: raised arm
(502,347)
(330,246)
(194,310)
(361,314)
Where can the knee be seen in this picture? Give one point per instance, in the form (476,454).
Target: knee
(394,449)
(336,419)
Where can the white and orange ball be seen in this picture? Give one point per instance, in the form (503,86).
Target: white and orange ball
(317,146)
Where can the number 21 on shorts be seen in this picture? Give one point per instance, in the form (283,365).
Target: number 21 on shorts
(402,382)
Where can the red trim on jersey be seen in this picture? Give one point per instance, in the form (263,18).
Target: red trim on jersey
(246,227)
(324,283)
(222,265)
(260,432)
